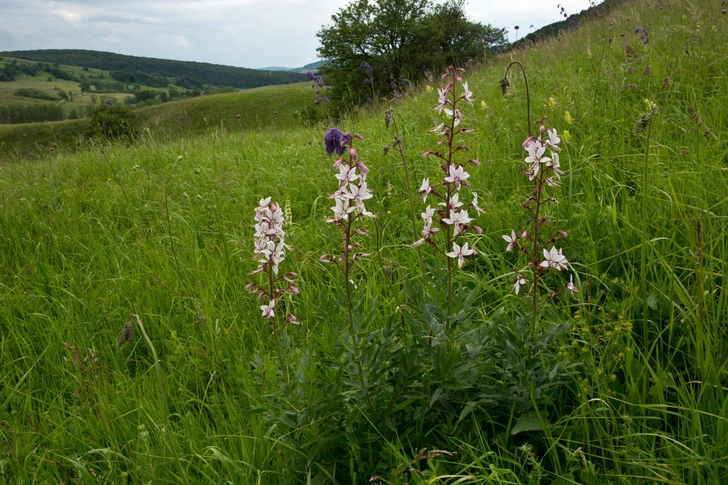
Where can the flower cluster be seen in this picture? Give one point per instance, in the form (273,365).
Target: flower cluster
(353,189)
(270,251)
(642,32)
(351,195)
(332,142)
(318,85)
(451,214)
(543,169)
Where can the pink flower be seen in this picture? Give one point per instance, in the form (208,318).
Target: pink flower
(511,240)
(268,309)
(570,285)
(554,259)
(460,253)
(456,176)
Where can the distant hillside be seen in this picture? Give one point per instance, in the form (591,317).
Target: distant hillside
(202,72)
(308,67)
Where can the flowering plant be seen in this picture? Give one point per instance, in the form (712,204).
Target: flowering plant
(270,251)
(544,171)
(450,216)
(349,200)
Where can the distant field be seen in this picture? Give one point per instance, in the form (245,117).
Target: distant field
(268,107)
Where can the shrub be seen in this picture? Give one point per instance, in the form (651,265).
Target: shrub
(114,122)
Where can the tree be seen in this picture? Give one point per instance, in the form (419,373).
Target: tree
(375,46)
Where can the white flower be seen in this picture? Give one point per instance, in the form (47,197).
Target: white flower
(520,281)
(456,176)
(554,139)
(346,174)
(459,219)
(570,285)
(425,188)
(268,309)
(511,240)
(443,101)
(428,214)
(554,259)
(460,253)
(342,209)
(467,95)
(474,203)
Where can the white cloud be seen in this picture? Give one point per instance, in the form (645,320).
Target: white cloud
(248,33)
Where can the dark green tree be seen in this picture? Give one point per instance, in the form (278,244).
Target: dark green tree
(375,47)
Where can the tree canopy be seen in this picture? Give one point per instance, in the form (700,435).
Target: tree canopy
(375,47)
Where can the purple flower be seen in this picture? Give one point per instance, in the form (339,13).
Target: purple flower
(333,142)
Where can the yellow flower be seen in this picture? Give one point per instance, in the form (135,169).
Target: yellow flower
(566,136)
(568,118)
(429,88)
(552,102)
(483,106)
(649,105)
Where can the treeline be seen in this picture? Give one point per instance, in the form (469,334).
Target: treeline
(200,73)
(16,113)
(34,93)
(139,77)
(13,69)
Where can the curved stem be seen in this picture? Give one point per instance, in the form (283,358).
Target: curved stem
(528,94)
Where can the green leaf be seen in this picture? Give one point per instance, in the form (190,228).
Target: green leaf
(527,422)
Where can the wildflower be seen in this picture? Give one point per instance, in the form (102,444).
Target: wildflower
(458,219)
(570,285)
(333,142)
(268,309)
(425,188)
(483,106)
(457,176)
(520,281)
(566,136)
(554,259)
(460,253)
(512,242)
(428,88)
(568,118)
(467,95)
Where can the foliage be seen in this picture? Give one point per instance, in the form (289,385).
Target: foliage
(400,41)
(114,122)
(34,93)
(16,113)
(140,77)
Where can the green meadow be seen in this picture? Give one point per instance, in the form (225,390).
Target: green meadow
(623,382)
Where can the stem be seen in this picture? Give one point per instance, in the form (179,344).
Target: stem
(643,258)
(347,267)
(528,95)
(274,324)
(400,149)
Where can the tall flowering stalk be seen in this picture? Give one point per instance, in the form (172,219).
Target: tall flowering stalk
(544,172)
(349,206)
(270,251)
(450,215)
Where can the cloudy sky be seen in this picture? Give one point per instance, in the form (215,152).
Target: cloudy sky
(244,33)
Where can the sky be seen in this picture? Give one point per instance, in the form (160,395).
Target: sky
(243,33)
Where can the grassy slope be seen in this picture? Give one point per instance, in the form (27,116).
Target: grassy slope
(274,107)
(164,230)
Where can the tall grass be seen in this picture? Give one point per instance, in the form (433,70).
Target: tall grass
(162,229)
